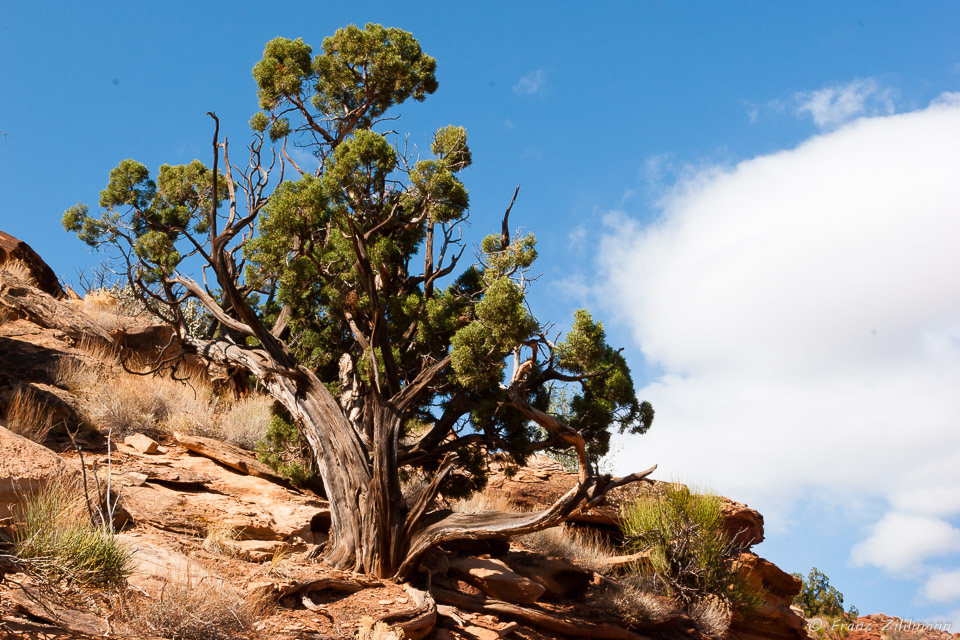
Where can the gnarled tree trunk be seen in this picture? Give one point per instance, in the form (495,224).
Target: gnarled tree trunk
(364,495)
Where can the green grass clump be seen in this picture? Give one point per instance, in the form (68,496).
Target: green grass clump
(689,556)
(56,535)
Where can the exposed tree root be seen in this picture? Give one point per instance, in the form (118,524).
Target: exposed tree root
(540,619)
(424,618)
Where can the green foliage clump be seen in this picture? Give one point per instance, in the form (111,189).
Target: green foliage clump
(284,450)
(152,216)
(689,556)
(57,537)
(818,597)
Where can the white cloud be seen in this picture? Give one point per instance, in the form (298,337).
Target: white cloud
(834,105)
(943,586)
(532,83)
(900,542)
(804,309)
(577,237)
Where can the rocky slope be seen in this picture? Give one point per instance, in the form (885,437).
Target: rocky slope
(202,516)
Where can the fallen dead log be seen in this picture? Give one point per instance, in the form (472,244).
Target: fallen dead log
(229,456)
(538,618)
(350,584)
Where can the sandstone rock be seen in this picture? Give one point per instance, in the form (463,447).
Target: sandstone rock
(495,579)
(149,341)
(40,272)
(33,601)
(743,525)
(142,443)
(254,507)
(155,563)
(560,578)
(25,467)
(260,550)
(775,619)
(627,561)
(482,633)
(22,300)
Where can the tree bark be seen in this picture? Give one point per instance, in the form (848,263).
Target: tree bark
(365,502)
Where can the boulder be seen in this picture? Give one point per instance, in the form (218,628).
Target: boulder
(561,578)
(743,525)
(21,299)
(142,443)
(25,467)
(495,579)
(775,619)
(40,272)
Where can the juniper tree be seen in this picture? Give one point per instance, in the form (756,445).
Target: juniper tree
(342,288)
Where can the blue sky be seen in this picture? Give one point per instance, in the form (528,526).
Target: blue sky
(739,189)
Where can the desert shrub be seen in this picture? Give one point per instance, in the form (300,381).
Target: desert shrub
(29,416)
(286,452)
(195,609)
(818,598)
(56,534)
(689,557)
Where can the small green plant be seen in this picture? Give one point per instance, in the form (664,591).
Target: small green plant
(689,557)
(284,450)
(56,535)
(818,598)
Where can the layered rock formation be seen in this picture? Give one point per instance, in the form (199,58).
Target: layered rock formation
(15,250)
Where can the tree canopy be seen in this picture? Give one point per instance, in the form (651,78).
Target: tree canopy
(342,287)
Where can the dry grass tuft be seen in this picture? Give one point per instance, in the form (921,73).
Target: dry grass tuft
(29,416)
(196,609)
(157,404)
(484,501)
(18,270)
(711,616)
(636,605)
(245,422)
(586,549)
(221,540)
(105,309)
